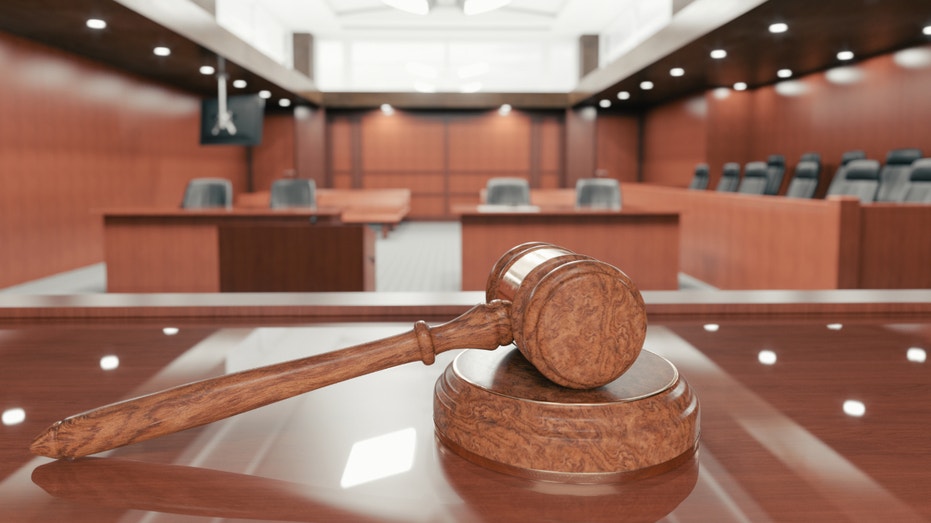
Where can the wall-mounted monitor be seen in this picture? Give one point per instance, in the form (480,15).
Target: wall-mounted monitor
(246,115)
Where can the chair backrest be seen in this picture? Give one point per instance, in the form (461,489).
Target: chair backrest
(507,191)
(598,193)
(700,179)
(207,193)
(293,192)
(775,170)
(730,178)
(919,188)
(804,182)
(838,179)
(810,157)
(893,178)
(861,179)
(755,179)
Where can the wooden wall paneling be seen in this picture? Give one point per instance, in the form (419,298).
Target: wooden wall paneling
(339,150)
(675,139)
(895,246)
(75,136)
(552,152)
(310,136)
(489,142)
(401,142)
(275,157)
(580,142)
(728,132)
(618,146)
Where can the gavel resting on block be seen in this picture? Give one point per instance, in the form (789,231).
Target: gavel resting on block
(580,322)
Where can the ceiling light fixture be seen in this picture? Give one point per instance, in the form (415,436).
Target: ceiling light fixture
(778,27)
(240,84)
(415,7)
(477,7)
(926,30)
(784,73)
(604,104)
(207,70)
(265,94)
(718,54)
(284,102)
(387,109)
(845,55)
(96,23)
(740,86)
(504,110)
(646,85)
(623,95)
(676,71)
(161,51)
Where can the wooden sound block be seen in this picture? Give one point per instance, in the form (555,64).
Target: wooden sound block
(496,410)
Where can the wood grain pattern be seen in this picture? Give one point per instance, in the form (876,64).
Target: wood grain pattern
(498,411)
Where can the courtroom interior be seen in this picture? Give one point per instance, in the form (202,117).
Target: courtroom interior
(198,189)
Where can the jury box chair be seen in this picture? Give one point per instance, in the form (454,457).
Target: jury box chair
(730,178)
(861,179)
(507,191)
(598,193)
(804,182)
(894,175)
(700,178)
(293,192)
(755,179)
(207,193)
(919,189)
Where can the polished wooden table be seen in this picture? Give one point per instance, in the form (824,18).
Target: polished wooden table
(644,244)
(773,372)
(239,250)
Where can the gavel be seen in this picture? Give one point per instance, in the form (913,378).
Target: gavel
(580,321)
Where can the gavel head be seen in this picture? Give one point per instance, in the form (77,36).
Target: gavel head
(581,322)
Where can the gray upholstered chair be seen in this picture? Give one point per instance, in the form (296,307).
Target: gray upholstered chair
(838,179)
(775,171)
(207,193)
(730,178)
(598,193)
(700,179)
(507,191)
(861,179)
(804,182)
(293,192)
(919,187)
(755,179)
(893,177)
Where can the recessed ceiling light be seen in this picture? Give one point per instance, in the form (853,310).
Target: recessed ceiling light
(207,69)
(239,84)
(718,54)
(604,104)
(284,102)
(740,86)
(265,94)
(387,109)
(161,51)
(96,23)
(504,110)
(623,95)
(676,71)
(784,73)
(778,27)
(646,85)
(845,55)
(927,30)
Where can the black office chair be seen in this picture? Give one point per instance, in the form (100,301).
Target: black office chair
(804,182)
(755,179)
(775,171)
(700,178)
(730,178)
(919,188)
(598,193)
(293,192)
(811,157)
(893,178)
(507,191)
(861,179)
(208,193)
(838,179)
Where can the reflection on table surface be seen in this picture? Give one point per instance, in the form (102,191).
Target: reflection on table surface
(801,421)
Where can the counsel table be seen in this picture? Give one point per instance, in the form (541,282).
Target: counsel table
(776,444)
(643,244)
(242,250)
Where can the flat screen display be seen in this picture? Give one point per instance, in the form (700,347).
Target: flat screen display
(244,126)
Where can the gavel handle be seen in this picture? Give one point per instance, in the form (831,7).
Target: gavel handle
(485,326)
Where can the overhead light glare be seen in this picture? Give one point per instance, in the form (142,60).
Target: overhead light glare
(170,331)
(13,416)
(676,71)
(109,362)
(471,87)
(784,73)
(854,408)
(646,85)
(240,84)
(284,102)
(623,95)
(415,7)
(718,54)
(424,87)
(265,94)
(207,69)
(778,27)
(96,23)
(845,55)
(740,86)
(477,7)
(504,110)
(916,355)
(767,357)
(387,109)
(604,104)
(161,51)
(473,70)
(711,327)
(926,30)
